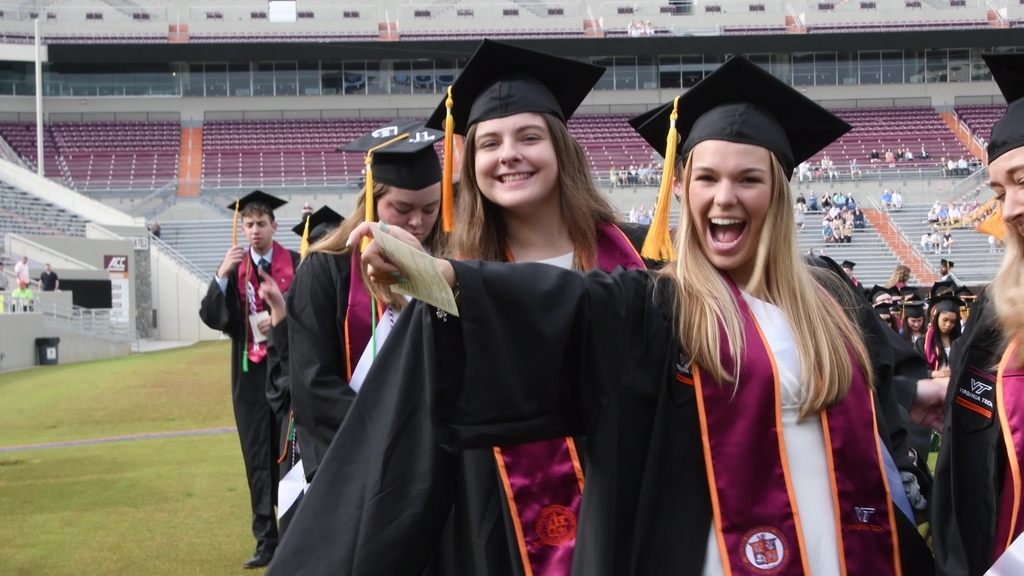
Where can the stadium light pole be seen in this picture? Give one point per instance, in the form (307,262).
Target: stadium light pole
(39,103)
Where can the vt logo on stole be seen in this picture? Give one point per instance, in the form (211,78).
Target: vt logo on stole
(976,392)
(765,550)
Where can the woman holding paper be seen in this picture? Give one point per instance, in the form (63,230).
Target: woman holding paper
(976,508)
(330,316)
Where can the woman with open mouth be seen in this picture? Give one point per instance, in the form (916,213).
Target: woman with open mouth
(727,401)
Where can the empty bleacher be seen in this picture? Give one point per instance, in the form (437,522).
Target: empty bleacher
(974,262)
(103,155)
(204,242)
(980,119)
(23,213)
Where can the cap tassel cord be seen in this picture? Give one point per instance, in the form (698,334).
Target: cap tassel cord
(304,247)
(658,244)
(368,194)
(447,195)
(234,228)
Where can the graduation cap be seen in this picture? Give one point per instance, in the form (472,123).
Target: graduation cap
(739,102)
(946,303)
(254,199)
(913,309)
(909,291)
(876,290)
(502,80)
(399,154)
(1008,133)
(941,288)
(947,263)
(315,226)
(848,265)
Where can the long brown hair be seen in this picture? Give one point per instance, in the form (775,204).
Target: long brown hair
(779,273)
(480,232)
(334,243)
(900,275)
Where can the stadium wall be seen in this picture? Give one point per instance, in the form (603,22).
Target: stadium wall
(18,333)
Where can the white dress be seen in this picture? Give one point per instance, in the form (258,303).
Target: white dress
(805,450)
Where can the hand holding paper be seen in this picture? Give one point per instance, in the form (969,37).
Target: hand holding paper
(424,280)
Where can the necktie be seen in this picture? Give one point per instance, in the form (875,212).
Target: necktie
(264,266)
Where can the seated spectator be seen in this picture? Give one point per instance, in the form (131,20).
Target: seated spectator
(890,158)
(886,199)
(950,168)
(643,217)
(848,229)
(933,215)
(926,242)
(613,177)
(954,213)
(838,237)
(855,172)
(858,219)
(826,203)
(632,214)
(924,153)
(908,155)
(851,204)
(812,202)
(961,167)
(839,199)
(944,167)
(943,214)
(874,157)
(798,217)
(947,241)
(801,202)
(804,171)
(833,212)
(897,200)
(826,229)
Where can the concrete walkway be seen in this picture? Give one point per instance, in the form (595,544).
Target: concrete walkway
(143,346)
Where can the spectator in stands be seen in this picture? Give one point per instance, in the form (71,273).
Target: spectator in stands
(908,155)
(858,219)
(613,177)
(155,229)
(812,202)
(943,214)
(22,299)
(21,270)
(848,228)
(926,242)
(954,214)
(826,203)
(951,167)
(890,158)
(799,219)
(826,229)
(839,199)
(833,212)
(961,167)
(873,158)
(924,153)
(933,215)
(897,200)
(801,202)
(886,199)
(48,281)
(804,171)
(855,172)
(838,233)
(643,217)
(631,217)
(944,167)
(947,241)
(3,278)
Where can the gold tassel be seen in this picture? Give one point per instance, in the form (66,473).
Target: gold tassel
(304,247)
(234,229)
(368,193)
(447,196)
(658,244)
(994,225)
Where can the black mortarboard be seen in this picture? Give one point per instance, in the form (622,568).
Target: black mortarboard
(876,290)
(848,264)
(1008,133)
(946,263)
(941,288)
(258,198)
(501,80)
(909,291)
(913,309)
(946,303)
(320,223)
(741,102)
(410,163)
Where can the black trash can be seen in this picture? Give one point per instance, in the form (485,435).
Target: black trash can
(47,350)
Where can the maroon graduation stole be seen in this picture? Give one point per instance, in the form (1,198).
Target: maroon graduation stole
(248,280)
(543,480)
(358,320)
(1010,404)
(755,510)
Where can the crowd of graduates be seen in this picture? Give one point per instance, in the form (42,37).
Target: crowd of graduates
(615,397)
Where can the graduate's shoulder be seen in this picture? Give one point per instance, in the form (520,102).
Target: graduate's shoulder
(636,234)
(320,265)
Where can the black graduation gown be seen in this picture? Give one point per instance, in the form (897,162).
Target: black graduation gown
(972,461)
(278,377)
(605,367)
(254,418)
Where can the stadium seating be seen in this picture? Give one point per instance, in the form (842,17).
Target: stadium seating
(203,242)
(971,253)
(23,213)
(104,155)
(875,260)
(980,119)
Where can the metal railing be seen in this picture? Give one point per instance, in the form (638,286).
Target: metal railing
(971,184)
(173,254)
(104,323)
(896,228)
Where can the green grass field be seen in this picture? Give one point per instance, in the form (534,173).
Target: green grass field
(146,507)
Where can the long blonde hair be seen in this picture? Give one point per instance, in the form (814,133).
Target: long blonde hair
(334,243)
(481,234)
(900,274)
(780,274)
(1008,290)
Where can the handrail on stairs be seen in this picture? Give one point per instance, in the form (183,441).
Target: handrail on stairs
(895,227)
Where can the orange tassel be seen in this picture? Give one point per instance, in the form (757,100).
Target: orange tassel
(447,195)
(234,229)
(658,244)
(368,193)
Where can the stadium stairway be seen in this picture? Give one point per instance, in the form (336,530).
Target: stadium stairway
(974,262)
(204,242)
(24,213)
(874,258)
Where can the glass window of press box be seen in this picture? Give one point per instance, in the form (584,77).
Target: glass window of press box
(433,76)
